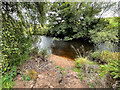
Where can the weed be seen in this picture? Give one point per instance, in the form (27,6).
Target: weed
(62,70)
(76,70)
(80,75)
(90,85)
(26,78)
(7,82)
(32,74)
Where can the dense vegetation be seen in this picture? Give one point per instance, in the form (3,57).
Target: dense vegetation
(16,39)
(78,20)
(67,21)
(99,69)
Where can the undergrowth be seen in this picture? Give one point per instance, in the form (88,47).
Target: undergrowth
(96,74)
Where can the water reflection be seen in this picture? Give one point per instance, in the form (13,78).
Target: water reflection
(63,48)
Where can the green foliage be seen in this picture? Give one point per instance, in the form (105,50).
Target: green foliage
(82,61)
(85,68)
(7,79)
(62,70)
(16,37)
(6,82)
(15,46)
(90,85)
(114,67)
(105,55)
(70,20)
(40,30)
(25,77)
(104,69)
(77,69)
(35,11)
(95,54)
(80,75)
(106,34)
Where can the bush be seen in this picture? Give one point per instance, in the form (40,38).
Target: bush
(114,67)
(104,75)
(104,69)
(105,55)
(95,55)
(82,61)
(7,79)
(15,47)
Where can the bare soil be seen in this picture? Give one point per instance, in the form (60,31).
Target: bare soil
(46,74)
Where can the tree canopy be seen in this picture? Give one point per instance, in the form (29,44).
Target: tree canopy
(69,20)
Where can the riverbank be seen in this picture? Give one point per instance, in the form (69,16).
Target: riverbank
(62,61)
(48,75)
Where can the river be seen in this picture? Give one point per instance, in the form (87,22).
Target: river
(63,48)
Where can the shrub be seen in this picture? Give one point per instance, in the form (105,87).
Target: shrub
(108,55)
(105,55)
(15,45)
(95,55)
(7,79)
(114,67)
(106,74)
(82,61)
(104,69)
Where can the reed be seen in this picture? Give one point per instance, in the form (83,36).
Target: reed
(80,52)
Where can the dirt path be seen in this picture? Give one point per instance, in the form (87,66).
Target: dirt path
(62,61)
(47,75)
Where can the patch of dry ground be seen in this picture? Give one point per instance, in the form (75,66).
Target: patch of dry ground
(48,75)
(62,61)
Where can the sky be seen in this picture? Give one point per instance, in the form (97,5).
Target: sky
(109,13)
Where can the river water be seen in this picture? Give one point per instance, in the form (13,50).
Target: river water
(63,48)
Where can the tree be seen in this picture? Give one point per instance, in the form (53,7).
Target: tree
(76,19)
(16,42)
